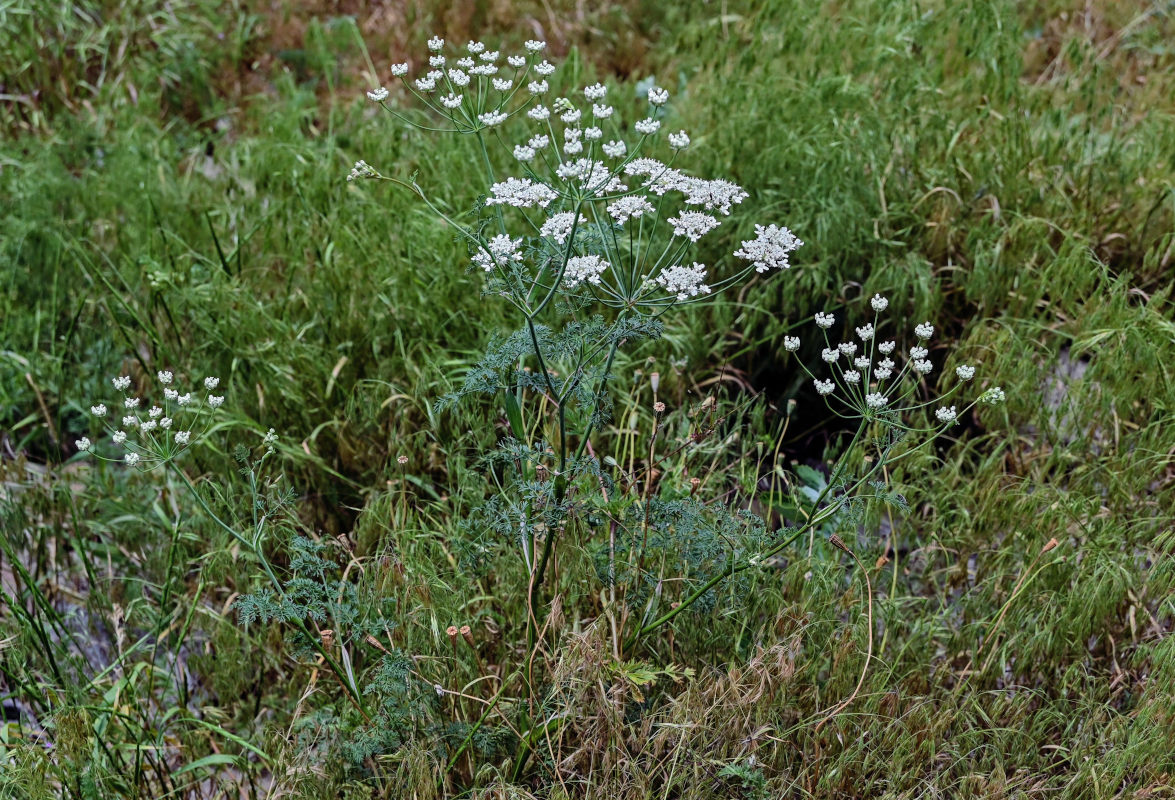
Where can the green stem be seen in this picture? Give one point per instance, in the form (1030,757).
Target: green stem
(315,641)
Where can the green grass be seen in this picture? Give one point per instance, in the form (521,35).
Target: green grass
(1003,169)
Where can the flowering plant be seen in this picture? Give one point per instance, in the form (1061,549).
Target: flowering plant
(589,238)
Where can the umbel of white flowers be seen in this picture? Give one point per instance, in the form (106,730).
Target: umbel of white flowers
(872,384)
(593,209)
(150,435)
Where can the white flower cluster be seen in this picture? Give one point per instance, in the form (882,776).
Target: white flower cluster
(871,383)
(584,269)
(585,170)
(684,281)
(771,247)
(163,431)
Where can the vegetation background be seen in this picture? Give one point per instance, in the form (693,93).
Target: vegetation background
(172,193)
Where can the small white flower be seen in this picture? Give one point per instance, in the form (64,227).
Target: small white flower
(945,414)
(131,459)
(503,85)
(165,423)
(882,373)
(600,111)
(629,207)
(993,396)
(361,170)
(573,148)
(684,281)
(524,153)
(521,193)
(875,400)
(82,444)
(98,410)
(182,437)
(595,92)
(965,372)
(148,426)
(501,250)
(211,383)
(848,348)
(466,63)
(917,352)
(458,78)
(484,70)
(537,87)
(119,437)
(615,149)
(131,402)
(830,354)
(887,347)
(400,70)
(184,399)
(539,113)
(658,96)
(475,47)
(791,343)
(270,438)
(216,401)
(693,224)
(861,362)
(436,44)
(923,366)
(378,95)
(121,383)
(571,116)
(490,56)
(558,226)
(155,411)
(824,387)
(170,394)
(130,422)
(885,363)
(679,140)
(452,100)
(647,126)
(492,118)
(426,84)
(852,376)
(771,247)
(436,61)
(824,320)
(924,331)
(534,46)
(584,269)
(593,133)
(879,303)
(545,68)
(165,377)
(865,333)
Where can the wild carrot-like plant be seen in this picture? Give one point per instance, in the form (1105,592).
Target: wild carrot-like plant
(589,237)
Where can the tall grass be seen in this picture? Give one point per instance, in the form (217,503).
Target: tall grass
(1003,168)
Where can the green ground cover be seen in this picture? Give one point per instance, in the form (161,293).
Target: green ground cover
(172,190)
